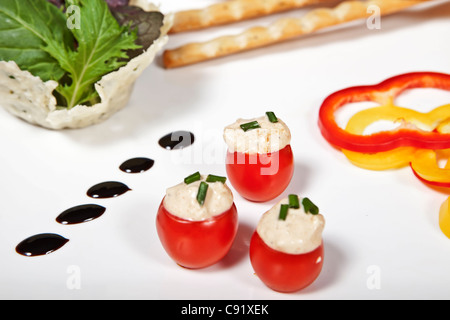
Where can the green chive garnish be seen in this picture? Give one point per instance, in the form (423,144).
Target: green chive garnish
(272,117)
(192,178)
(283,212)
(250,126)
(293,201)
(213,178)
(310,206)
(201,195)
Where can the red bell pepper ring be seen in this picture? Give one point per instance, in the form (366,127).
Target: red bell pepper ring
(383,93)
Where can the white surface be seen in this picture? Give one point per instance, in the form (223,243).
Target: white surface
(382,222)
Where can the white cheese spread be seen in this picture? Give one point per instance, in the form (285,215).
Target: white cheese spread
(181,200)
(270,137)
(300,233)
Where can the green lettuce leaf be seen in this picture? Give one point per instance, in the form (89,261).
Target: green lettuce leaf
(37,36)
(26,26)
(102,45)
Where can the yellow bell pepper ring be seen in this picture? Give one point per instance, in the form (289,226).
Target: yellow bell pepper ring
(387,160)
(436,120)
(425,165)
(444,218)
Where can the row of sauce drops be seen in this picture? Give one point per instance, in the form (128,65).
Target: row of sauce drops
(45,243)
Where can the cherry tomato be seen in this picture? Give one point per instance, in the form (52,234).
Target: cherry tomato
(284,272)
(260,177)
(197,244)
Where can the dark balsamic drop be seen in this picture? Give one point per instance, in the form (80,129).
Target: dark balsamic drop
(80,214)
(109,189)
(137,165)
(40,244)
(177,140)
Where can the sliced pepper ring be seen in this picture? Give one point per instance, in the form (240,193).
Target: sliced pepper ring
(425,166)
(387,160)
(384,94)
(435,120)
(444,218)
(400,157)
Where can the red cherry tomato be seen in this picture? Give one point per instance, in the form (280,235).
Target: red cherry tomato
(281,271)
(197,244)
(260,177)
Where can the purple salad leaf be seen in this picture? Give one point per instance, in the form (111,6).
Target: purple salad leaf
(117,3)
(147,24)
(58,3)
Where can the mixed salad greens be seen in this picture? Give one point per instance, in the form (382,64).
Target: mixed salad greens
(74,42)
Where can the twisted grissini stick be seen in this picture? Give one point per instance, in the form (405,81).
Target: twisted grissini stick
(232,11)
(281,30)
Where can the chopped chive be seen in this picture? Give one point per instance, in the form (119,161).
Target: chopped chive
(213,178)
(250,126)
(201,195)
(272,117)
(283,212)
(310,206)
(293,201)
(192,178)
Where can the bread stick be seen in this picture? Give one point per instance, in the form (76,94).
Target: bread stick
(232,11)
(281,30)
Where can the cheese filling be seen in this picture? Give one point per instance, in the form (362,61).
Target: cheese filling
(270,137)
(181,200)
(300,233)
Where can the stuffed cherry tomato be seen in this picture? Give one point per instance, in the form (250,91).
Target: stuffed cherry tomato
(197,221)
(260,162)
(286,249)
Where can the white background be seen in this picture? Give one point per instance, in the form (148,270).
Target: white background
(383,221)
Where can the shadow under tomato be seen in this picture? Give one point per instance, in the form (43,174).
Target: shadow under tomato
(334,264)
(239,250)
(300,179)
(298,184)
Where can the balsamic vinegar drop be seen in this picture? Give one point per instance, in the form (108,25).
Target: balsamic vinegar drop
(137,165)
(177,140)
(80,214)
(41,244)
(109,189)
